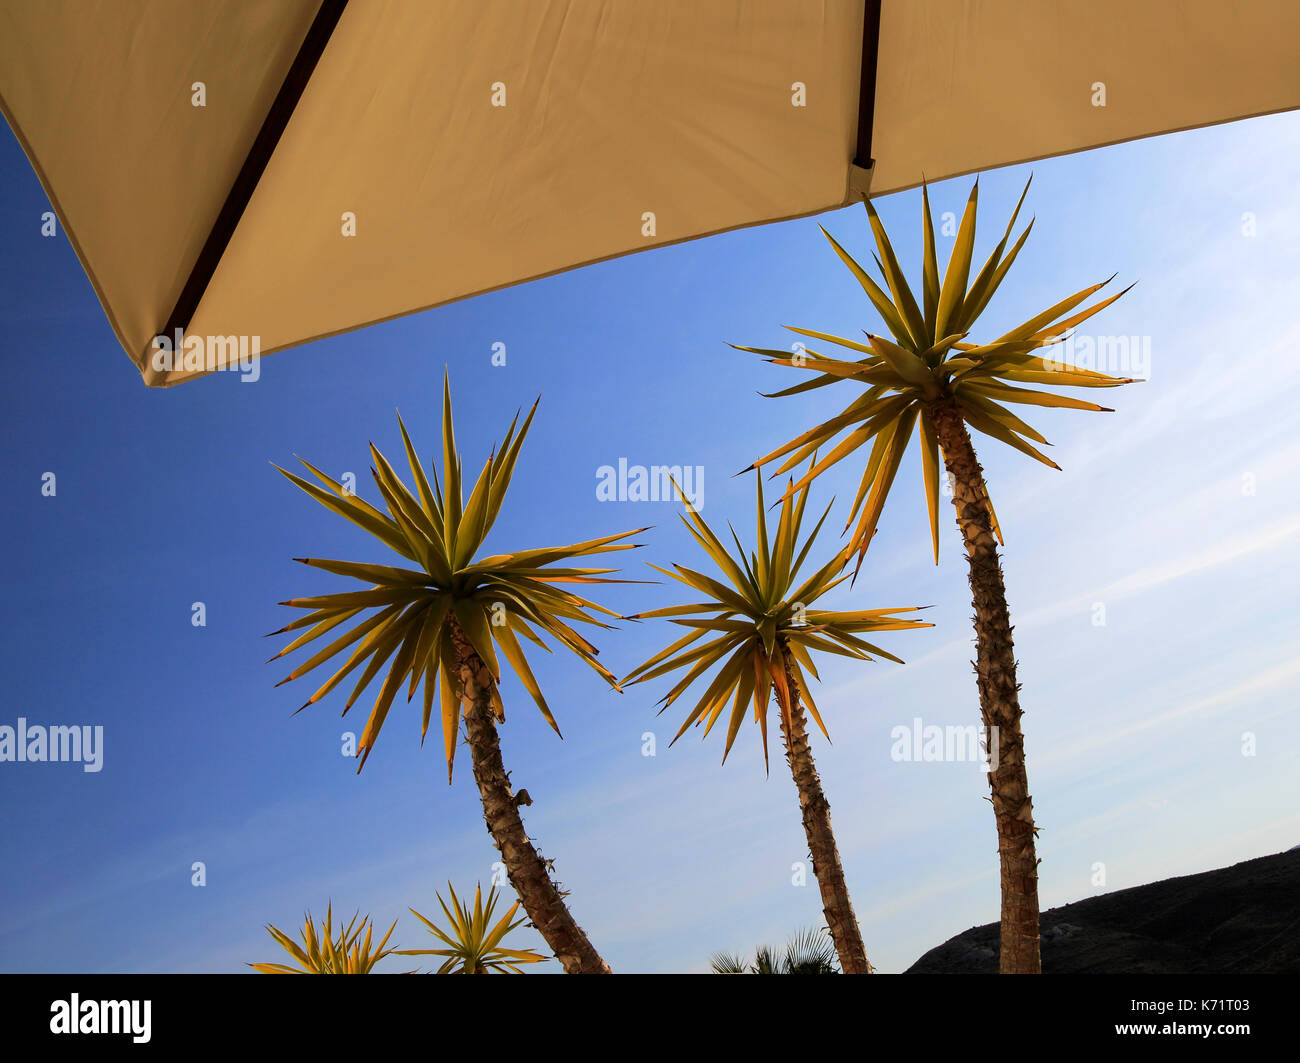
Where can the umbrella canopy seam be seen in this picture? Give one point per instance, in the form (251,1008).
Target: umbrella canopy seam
(263,147)
(867,83)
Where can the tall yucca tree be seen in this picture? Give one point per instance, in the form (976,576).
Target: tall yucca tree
(473,942)
(929,381)
(762,633)
(445,620)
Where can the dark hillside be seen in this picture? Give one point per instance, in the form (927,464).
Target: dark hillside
(1241,919)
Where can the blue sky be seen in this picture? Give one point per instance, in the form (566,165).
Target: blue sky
(1134,729)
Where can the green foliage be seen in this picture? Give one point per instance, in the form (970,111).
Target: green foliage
(810,951)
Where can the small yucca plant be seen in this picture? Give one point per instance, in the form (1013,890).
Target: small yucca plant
(474,942)
(327,953)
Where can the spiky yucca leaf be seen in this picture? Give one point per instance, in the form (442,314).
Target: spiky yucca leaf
(324,953)
(759,626)
(493,600)
(474,941)
(928,361)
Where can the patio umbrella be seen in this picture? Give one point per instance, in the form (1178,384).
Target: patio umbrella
(284,170)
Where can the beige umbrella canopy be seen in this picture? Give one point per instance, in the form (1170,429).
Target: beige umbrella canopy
(291,169)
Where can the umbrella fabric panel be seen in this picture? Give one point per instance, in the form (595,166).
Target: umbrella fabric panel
(100,96)
(625,126)
(966,85)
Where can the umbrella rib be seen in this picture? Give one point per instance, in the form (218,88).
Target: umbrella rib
(268,137)
(867,90)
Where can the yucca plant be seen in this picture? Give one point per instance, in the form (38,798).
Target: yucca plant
(324,953)
(808,952)
(762,632)
(474,941)
(444,620)
(929,380)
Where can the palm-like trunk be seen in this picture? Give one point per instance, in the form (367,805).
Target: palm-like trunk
(829,872)
(528,873)
(995,668)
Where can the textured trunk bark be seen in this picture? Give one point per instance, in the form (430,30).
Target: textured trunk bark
(995,668)
(528,873)
(840,920)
